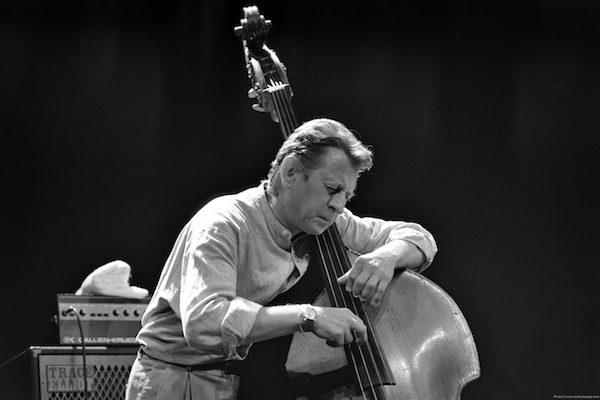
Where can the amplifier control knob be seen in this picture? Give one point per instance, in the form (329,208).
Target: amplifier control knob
(126,313)
(116,313)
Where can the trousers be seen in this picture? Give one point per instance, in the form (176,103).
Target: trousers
(152,379)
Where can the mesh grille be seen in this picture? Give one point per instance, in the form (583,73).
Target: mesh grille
(109,384)
(107,381)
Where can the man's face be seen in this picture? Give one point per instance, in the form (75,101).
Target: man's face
(313,202)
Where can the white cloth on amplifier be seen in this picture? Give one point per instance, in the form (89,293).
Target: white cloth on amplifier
(111,279)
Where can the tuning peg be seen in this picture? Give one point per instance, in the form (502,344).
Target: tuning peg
(252,94)
(258,108)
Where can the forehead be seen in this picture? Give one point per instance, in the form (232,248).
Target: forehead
(336,167)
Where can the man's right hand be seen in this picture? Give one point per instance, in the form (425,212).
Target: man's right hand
(339,326)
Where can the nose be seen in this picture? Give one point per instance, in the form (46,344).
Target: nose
(337,201)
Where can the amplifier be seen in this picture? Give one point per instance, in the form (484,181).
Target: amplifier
(104,319)
(56,372)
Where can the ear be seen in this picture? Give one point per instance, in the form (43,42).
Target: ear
(290,170)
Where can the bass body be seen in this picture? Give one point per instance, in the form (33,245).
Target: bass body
(427,343)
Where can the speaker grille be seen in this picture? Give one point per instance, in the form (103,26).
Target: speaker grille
(61,376)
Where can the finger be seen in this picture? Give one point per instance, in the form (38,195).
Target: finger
(370,289)
(357,276)
(342,280)
(348,336)
(377,298)
(360,338)
(380,292)
(252,94)
(337,339)
(361,282)
(348,279)
(358,325)
(360,332)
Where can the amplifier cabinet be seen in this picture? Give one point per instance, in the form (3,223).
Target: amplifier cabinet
(58,372)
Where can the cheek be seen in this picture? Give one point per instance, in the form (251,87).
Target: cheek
(311,209)
(300,209)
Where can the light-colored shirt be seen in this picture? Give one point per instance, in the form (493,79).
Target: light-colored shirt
(231,258)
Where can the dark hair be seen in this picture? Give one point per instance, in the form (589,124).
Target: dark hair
(310,141)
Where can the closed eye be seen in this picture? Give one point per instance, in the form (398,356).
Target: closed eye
(334,190)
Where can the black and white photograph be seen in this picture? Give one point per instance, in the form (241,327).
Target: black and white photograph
(284,200)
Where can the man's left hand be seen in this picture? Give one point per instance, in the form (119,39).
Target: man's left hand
(371,273)
(369,277)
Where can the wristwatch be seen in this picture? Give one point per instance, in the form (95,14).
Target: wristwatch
(307,319)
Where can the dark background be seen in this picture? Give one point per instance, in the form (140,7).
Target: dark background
(119,119)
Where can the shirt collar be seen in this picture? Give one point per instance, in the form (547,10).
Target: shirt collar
(280,234)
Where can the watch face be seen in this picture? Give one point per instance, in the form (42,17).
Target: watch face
(310,313)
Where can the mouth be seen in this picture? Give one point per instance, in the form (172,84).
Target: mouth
(325,220)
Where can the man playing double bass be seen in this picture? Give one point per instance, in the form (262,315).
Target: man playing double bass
(240,273)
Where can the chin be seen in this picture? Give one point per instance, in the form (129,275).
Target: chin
(319,231)
(316,229)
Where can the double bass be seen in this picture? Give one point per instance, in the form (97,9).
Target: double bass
(420,346)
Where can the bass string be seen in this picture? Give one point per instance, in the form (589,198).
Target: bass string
(338,256)
(283,109)
(282,100)
(337,302)
(336,238)
(288,109)
(358,306)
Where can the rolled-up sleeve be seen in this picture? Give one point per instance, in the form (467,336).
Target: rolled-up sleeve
(366,234)
(214,318)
